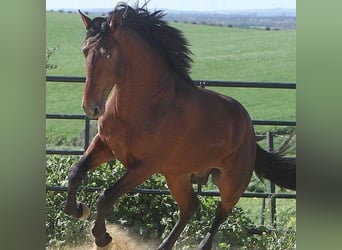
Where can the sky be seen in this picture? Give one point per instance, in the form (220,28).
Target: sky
(195,5)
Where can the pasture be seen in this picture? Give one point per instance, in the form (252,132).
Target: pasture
(220,53)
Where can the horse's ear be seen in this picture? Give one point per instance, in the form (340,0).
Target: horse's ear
(86,20)
(115,22)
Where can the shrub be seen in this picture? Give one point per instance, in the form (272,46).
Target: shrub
(152,216)
(60,228)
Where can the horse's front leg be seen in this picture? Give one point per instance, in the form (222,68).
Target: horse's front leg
(97,153)
(135,175)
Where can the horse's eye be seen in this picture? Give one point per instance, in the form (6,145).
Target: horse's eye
(109,56)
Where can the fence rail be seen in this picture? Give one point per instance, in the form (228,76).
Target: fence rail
(201,83)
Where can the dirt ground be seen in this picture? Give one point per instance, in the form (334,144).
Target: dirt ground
(121,241)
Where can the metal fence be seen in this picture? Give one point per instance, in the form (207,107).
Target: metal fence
(271,194)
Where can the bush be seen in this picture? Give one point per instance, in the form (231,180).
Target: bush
(60,228)
(151,216)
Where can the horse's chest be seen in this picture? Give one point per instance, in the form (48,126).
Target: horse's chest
(123,141)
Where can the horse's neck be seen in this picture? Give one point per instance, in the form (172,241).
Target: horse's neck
(140,91)
(146,81)
(132,99)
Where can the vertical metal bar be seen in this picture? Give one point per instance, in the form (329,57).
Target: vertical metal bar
(86,142)
(273,207)
(199,192)
(270,144)
(86,133)
(263,205)
(199,186)
(273,204)
(199,189)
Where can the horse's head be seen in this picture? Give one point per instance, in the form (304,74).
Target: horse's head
(131,46)
(103,62)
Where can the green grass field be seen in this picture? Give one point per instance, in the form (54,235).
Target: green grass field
(219,53)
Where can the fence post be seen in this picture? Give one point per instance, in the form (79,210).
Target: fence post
(263,204)
(199,192)
(199,186)
(273,204)
(86,141)
(86,133)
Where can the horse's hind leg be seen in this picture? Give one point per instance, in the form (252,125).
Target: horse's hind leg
(182,191)
(221,215)
(231,185)
(97,153)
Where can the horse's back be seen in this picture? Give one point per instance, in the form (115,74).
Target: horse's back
(222,116)
(209,129)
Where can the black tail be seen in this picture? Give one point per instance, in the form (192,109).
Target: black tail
(274,167)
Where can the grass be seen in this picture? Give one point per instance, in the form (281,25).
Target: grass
(219,53)
(222,53)
(66,32)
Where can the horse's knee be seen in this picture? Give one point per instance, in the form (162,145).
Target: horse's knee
(103,203)
(100,202)
(71,206)
(75,176)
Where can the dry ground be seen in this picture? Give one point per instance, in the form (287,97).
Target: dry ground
(122,240)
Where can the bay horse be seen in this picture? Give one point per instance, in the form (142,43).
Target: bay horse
(153,119)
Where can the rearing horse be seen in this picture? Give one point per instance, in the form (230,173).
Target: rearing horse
(153,119)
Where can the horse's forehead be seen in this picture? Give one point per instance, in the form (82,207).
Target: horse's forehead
(97,43)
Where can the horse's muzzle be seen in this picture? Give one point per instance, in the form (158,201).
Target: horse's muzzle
(93,112)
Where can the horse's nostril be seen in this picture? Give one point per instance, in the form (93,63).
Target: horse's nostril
(96,111)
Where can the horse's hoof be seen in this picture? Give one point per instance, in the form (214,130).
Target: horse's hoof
(85,211)
(104,241)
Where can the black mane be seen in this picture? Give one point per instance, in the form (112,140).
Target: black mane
(169,41)
(99,26)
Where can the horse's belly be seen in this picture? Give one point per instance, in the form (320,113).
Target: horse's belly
(195,159)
